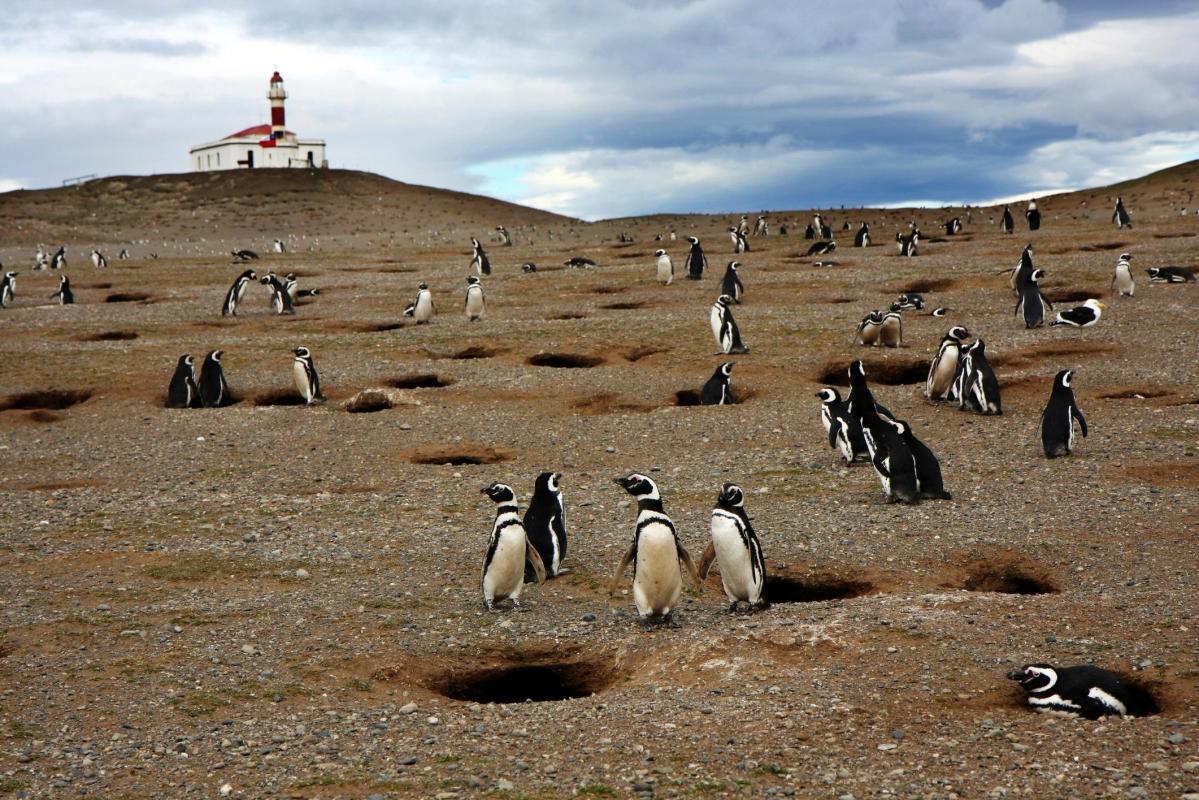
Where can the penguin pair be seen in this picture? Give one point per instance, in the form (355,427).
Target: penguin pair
(64,295)
(505,237)
(740,242)
(1084,691)
(724,327)
(8,288)
(1122,281)
(975,386)
(822,229)
(696,261)
(911,301)
(844,431)
(1057,421)
(862,237)
(509,549)
(944,366)
(908,244)
(1120,215)
(236,292)
(1083,316)
(210,391)
(59,259)
(280,298)
(1170,275)
(1023,270)
(479,262)
(421,307)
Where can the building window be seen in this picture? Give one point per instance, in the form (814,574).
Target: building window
(218,159)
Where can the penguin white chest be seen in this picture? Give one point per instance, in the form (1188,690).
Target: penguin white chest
(474,303)
(944,372)
(303,386)
(735,559)
(424,307)
(717,320)
(659,581)
(504,576)
(665,270)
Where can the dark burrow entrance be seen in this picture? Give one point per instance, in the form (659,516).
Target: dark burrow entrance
(456,456)
(795,589)
(525,683)
(564,361)
(279,397)
(1005,575)
(423,380)
(885,373)
(52,399)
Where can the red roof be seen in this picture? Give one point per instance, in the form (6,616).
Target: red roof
(276,77)
(257,130)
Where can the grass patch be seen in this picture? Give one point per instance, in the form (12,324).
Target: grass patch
(198,704)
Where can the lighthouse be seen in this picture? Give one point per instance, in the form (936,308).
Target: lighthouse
(263,145)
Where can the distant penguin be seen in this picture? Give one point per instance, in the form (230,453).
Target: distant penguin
(244,255)
(696,262)
(1057,422)
(1007,224)
(1170,275)
(98,260)
(953,227)
(1033,216)
(280,297)
(1085,691)
(737,238)
(869,328)
(508,549)
(214,391)
(731,284)
(578,262)
(64,295)
(480,263)
(809,232)
(941,311)
(762,227)
(911,301)
(41,260)
(291,285)
(123,255)
(665,268)
(421,307)
(1120,215)
(821,248)
(862,237)
(844,432)
(528,266)
(1022,271)
(1122,280)
(724,327)
(929,482)
(908,245)
(236,292)
(945,364)
(474,299)
(545,525)
(278,246)
(717,391)
(1083,316)
(59,260)
(8,286)
(979,389)
(735,547)
(1033,305)
(656,553)
(303,371)
(505,238)
(183,391)
(890,330)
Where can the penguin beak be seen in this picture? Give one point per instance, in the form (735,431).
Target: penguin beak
(557,477)
(484,490)
(1016,675)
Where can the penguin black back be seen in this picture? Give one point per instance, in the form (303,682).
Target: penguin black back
(214,391)
(716,391)
(1057,422)
(183,391)
(731,283)
(545,525)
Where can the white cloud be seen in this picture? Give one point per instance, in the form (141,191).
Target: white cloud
(10,185)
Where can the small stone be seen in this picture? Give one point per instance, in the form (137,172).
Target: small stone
(249,649)
(1176,738)
(407,762)
(504,785)
(404,426)
(103,607)
(433,721)
(408,708)
(302,573)
(888,746)
(1190,766)
(226,789)
(609,449)
(589,617)
(897,734)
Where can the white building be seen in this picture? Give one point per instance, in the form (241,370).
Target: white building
(261,145)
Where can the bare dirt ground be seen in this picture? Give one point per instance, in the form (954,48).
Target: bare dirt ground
(286,600)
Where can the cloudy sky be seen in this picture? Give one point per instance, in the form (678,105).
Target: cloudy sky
(602,108)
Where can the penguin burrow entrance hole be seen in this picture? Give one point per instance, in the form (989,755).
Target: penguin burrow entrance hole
(691,397)
(1135,394)
(456,456)
(424,380)
(127,297)
(476,351)
(380,327)
(925,285)
(51,400)
(885,373)
(814,589)
(109,336)
(1069,297)
(564,361)
(609,290)
(638,353)
(608,403)
(569,315)
(525,683)
(628,306)
(278,397)
(1006,576)
(1104,246)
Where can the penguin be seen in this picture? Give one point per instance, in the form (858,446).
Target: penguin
(1022,271)
(8,286)
(64,294)
(724,327)
(278,246)
(528,266)
(821,248)
(738,242)
(861,403)
(929,482)
(979,388)
(291,285)
(98,260)
(1033,215)
(505,237)
(656,553)
(59,260)
(545,525)
(1120,215)
(869,328)
(244,255)
(1007,224)
(737,549)
(1033,304)
(825,230)
(303,372)
(1170,275)
(844,432)
(474,299)
(893,460)
(761,227)
(421,308)
(280,299)
(123,255)
(183,391)
(907,244)
(731,284)
(665,267)
(696,262)
(953,227)
(1083,316)
(941,311)
(890,331)
(743,224)
(911,301)
(1057,421)
(578,262)
(862,237)
(1122,280)
(236,292)
(945,364)
(716,391)
(41,260)
(479,260)
(809,232)
(508,550)
(214,391)
(1085,691)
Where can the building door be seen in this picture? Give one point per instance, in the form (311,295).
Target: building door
(311,163)
(250,159)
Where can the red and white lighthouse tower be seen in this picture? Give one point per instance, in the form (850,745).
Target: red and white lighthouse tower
(276,95)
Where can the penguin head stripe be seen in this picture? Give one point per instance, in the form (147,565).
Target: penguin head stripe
(724,300)
(187,359)
(215,355)
(302,352)
(958,332)
(828,395)
(659,253)
(731,494)
(472,280)
(693,240)
(1125,256)
(900,427)
(553,481)
(733,265)
(500,493)
(639,486)
(423,286)
(1036,275)
(1065,376)
(726,368)
(1035,677)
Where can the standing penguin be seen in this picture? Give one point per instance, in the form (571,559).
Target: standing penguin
(505,237)
(736,237)
(1086,691)
(64,295)
(1033,304)
(868,328)
(890,331)
(893,460)
(1057,422)
(214,391)
(1123,281)
(1083,316)
(731,284)
(861,403)
(183,391)
(736,548)
(303,371)
(545,525)
(696,262)
(724,327)
(716,391)
(280,297)
(1120,215)
(1022,271)
(928,470)
(1033,215)
(508,549)
(844,432)
(8,286)
(979,388)
(1007,224)
(421,308)
(665,268)
(656,553)
(98,260)
(278,247)
(945,364)
(479,261)
(474,299)
(236,292)
(59,260)
(862,237)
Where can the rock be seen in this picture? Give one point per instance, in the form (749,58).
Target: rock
(589,617)
(226,789)
(504,785)
(1176,738)
(302,573)
(408,708)
(249,649)
(889,746)
(433,721)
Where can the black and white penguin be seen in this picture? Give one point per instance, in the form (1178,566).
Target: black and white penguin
(1033,215)
(474,299)
(278,246)
(890,331)
(183,391)
(979,388)
(809,232)
(944,367)
(303,371)
(893,460)
(545,525)
(59,260)
(908,244)
(743,224)
(123,255)
(1085,691)
(717,391)
(862,237)
(941,311)
(665,267)
(41,260)
(929,482)
(1170,275)
(244,255)
(1007,224)
(868,329)
(8,287)
(236,292)
(280,298)
(98,260)
(1122,281)
(508,549)
(731,284)
(911,301)
(735,547)
(861,403)
(953,227)
(421,307)
(64,295)
(696,262)
(1083,316)
(214,391)
(844,432)
(738,239)
(1033,305)
(762,226)
(724,327)
(1022,271)
(479,262)
(1120,215)
(656,553)
(578,262)
(1057,421)
(528,266)
(821,248)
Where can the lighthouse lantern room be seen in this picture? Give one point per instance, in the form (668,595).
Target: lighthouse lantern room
(261,145)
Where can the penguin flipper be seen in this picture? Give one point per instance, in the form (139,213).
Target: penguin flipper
(685,557)
(534,559)
(705,562)
(833,428)
(1082,421)
(624,562)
